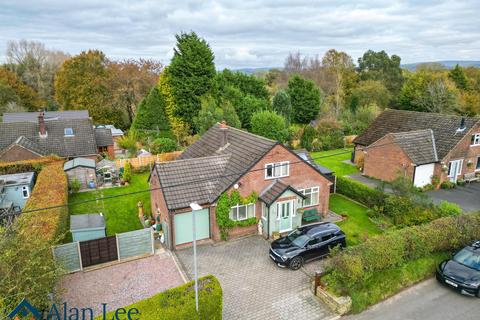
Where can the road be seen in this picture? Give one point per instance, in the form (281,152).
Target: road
(427,300)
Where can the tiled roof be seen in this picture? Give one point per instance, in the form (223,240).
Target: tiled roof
(103,137)
(444,127)
(82,142)
(30,145)
(191,180)
(419,145)
(49,115)
(245,149)
(275,190)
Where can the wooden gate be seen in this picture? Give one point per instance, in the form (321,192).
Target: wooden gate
(98,251)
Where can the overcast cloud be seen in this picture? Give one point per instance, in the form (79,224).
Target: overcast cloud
(249,33)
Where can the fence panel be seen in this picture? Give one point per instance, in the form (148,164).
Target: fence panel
(67,256)
(135,243)
(147,160)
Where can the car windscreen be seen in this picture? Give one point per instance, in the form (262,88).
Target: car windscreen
(468,258)
(297,238)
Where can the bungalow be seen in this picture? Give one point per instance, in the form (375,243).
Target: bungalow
(419,146)
(245,184)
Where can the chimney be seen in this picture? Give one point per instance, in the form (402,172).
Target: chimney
(41,124)
(223,134)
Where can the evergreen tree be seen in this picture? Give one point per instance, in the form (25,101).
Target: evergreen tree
(191,72)
(282,105)
(305,97)
(270,125)
(458,76)
(151,113)
(212,113)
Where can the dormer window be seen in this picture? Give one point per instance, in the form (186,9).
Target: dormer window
(68,132)
(475,139)
(277,170)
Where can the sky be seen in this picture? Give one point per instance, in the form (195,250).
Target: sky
(246,33)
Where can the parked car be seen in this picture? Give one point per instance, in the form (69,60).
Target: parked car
(462,271)
(306,243)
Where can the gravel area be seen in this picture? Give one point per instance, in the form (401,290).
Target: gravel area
(121,284)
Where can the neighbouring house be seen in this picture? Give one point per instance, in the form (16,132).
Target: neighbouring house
(257,182)
(86,227)
(419,146)
(105,144)
(15,189)
(117,134)
(83,170)
(48,115)
(38,136)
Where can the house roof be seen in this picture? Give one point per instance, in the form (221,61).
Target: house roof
(49,115)
(103,137)
(29,145)
(191,180)
(79,162)
(444,128)
(305,155)
(115,131)
(86,221)
(82,142)
(419,145)
(273,191)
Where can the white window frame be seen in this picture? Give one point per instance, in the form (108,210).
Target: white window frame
(68,134)
(476,139)
(313,190)
(280,166)
(25,190)
(237,207)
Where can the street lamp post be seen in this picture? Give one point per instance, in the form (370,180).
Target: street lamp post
(195,207)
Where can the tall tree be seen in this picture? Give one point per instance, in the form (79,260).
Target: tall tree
(83,83)
(192,71)
(379,66)
(151,113)
(131,80)
(212,113)
(458,76)
(282,105)
(369,92)
(305,97)
(25,96)
(341,66)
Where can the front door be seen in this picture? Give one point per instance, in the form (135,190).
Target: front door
(285,213)
(454,170)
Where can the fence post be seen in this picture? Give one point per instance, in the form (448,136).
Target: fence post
(79,255)
(118,246)
(317,281)
(153,240)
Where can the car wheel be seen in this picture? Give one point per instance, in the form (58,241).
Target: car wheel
(296,263)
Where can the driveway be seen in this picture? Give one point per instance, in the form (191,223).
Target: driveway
(467,197)
(121,284)
(253,286)
(427,301)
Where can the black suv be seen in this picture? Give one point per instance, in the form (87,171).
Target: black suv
(462,271)
(306,243)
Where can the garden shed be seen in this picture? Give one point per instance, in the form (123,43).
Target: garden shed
(87,226)
(82,170)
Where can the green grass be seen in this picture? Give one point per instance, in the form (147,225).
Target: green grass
(357,226)
(385,284)
(121,214)
(335,163)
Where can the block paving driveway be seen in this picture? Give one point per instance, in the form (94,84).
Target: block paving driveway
(253,286)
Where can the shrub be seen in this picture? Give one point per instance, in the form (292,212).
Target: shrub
(270,125)
(34,165)
(74,185)
(306,141)
(447,185)
(445,208)
(162,145)
(179,302)
(127,172)
(360,192)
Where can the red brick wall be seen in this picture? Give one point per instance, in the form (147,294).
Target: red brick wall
(386,162)
(17,153)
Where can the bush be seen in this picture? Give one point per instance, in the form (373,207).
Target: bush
(162,145)
(74,185)
(445,208)
(447,185)
(179,303)
(306,141)
(270,125)
(360,192)
(127,172)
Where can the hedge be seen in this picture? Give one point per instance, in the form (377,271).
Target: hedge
(360,192)
(51,190)
(350,269)
(179,303)
(34,165)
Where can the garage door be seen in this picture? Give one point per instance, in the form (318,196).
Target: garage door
(423,175)
(183,226)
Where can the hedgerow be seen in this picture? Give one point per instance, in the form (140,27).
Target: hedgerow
(34,165)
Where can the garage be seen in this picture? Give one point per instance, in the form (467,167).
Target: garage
(184,228)
(423,175)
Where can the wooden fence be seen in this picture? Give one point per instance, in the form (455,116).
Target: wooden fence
(147,160)
(75,256)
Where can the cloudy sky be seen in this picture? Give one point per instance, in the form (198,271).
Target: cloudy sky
(246,33)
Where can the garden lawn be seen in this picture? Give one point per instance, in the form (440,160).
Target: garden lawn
(334,162)
(357,225)
(121,214)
